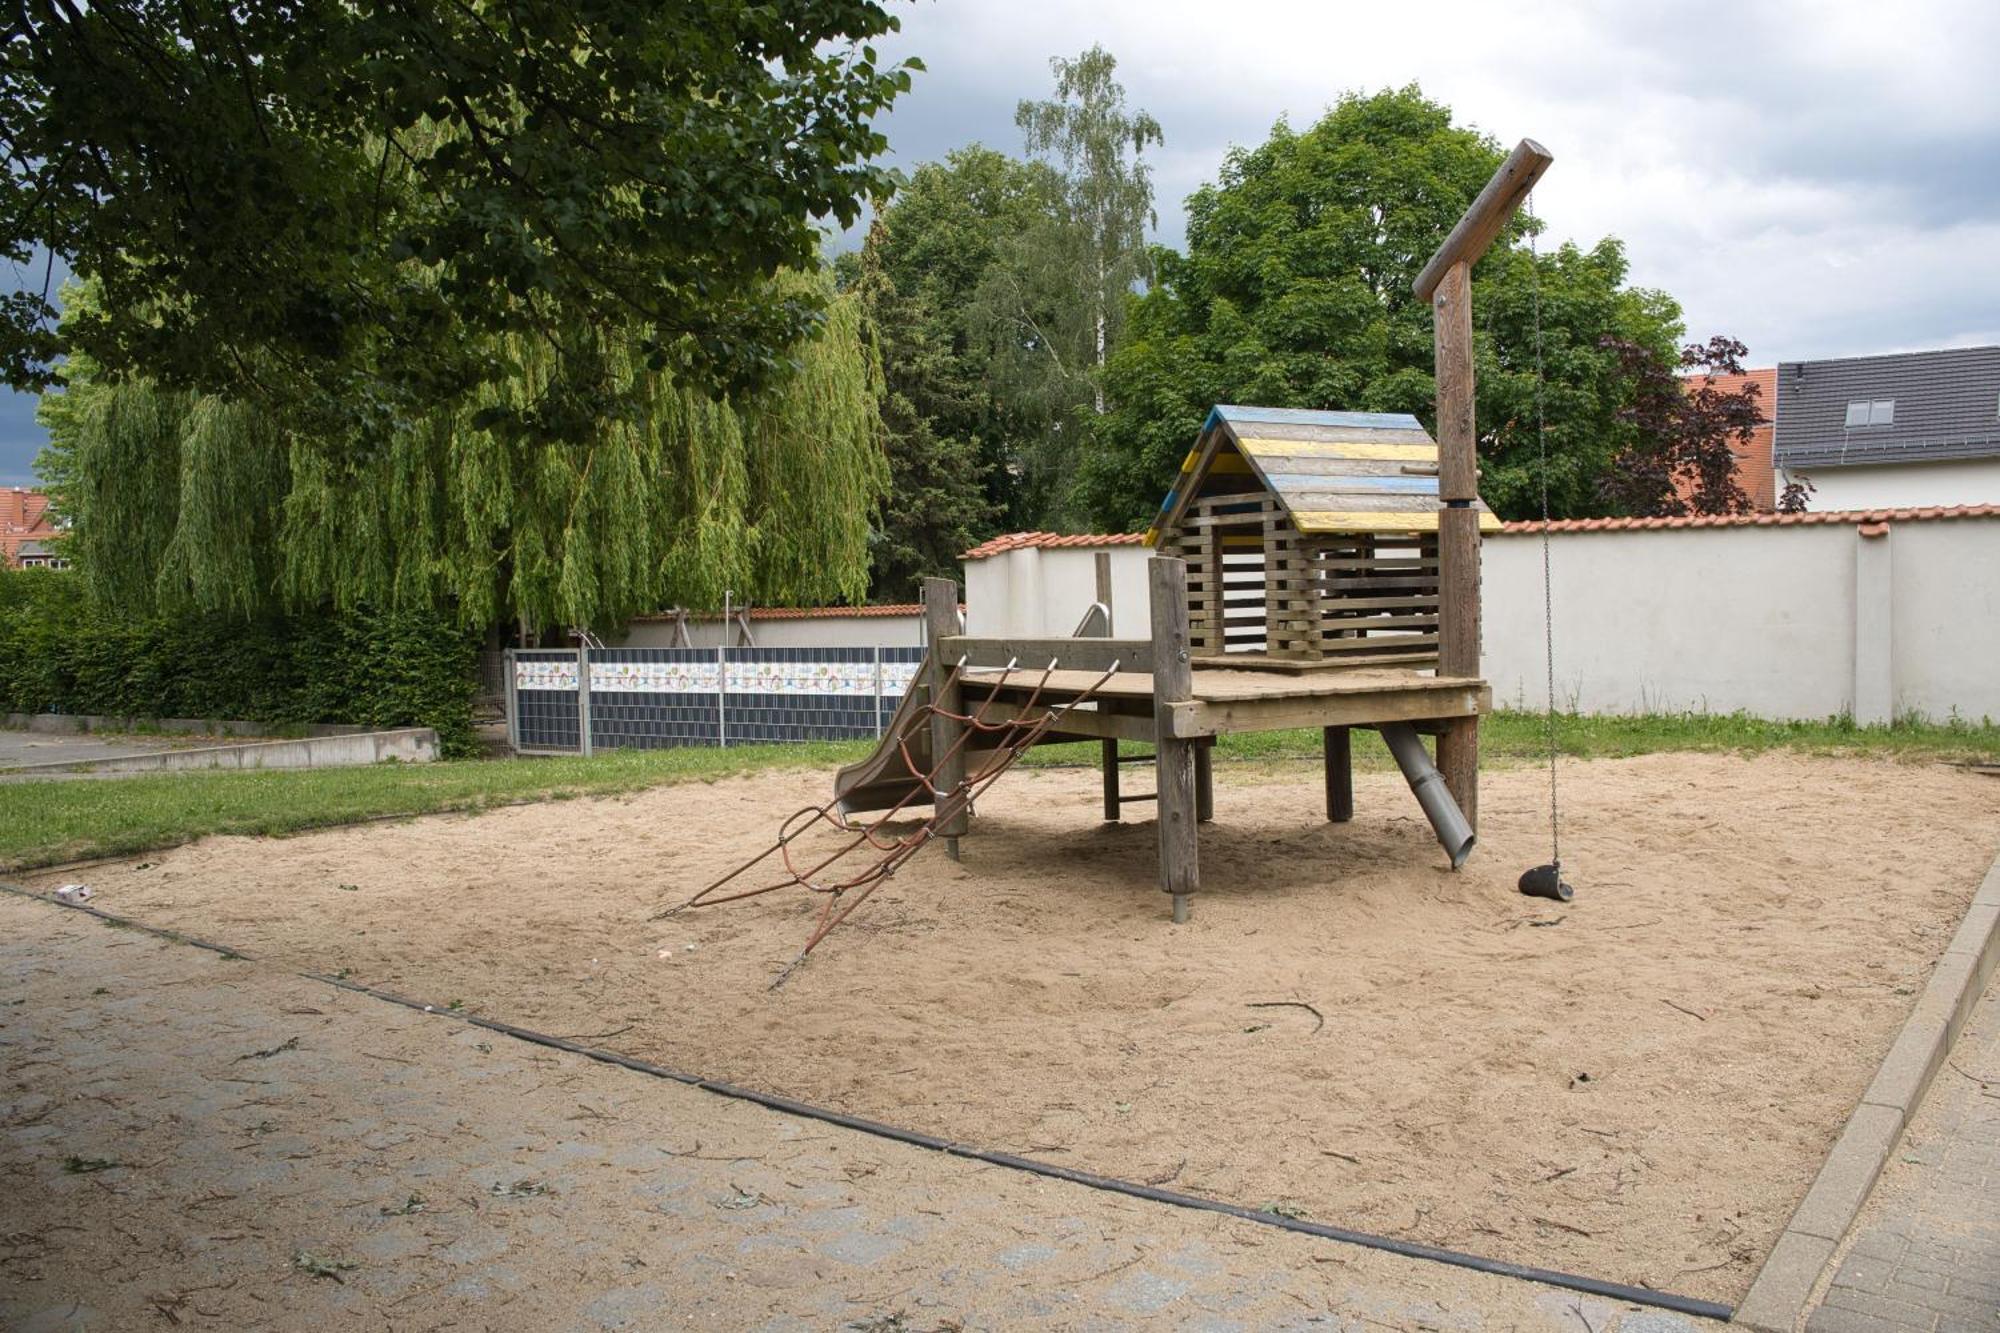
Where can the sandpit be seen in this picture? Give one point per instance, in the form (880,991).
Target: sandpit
(1638,1085)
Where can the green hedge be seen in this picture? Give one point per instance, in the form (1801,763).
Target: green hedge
(61,654)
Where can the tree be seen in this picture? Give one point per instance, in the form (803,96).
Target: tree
(936,506)
(1054,304)
(1295,292)
(1688,431)
(957,433)
(366,212)
(187,500)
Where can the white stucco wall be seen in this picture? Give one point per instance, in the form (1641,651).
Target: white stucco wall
(1759,619)
(1902,485)
(1701,619)
(903,631)
(1947,617)
(1039,591)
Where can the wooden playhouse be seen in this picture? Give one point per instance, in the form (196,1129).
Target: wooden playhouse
(1309,537)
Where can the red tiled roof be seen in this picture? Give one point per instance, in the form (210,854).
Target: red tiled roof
(806,612)
(1016,541)
(1858,517)
(1753,459)
(24,517)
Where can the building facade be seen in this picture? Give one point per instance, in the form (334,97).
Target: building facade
(28,531)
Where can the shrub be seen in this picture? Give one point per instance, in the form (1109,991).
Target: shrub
(60,653)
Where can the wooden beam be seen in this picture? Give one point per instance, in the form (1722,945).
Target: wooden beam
(1338,745)
(1173,683)
(1193,720)
(940,627)
(1488,214)
(1458,651)
(1109,758)
(1103,567)
(1204,782)
(1077,722)
(1032,655)
(1451,342)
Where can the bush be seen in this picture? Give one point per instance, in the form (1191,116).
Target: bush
(59,653)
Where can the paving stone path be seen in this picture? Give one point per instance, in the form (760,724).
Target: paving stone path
(191,1141)
(1926,1249)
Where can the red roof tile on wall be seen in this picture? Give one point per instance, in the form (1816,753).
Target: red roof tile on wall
(1016,541)
(807,612)
(1857,517)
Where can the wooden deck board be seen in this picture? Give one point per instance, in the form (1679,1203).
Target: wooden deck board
(1213,685)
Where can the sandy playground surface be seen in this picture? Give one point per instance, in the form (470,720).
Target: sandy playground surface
(1638,1085)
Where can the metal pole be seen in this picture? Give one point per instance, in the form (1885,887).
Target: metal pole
(513,702)
(583,699)
(878,691)
(722,692)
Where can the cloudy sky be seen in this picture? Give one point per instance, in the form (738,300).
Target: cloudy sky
(1815,179)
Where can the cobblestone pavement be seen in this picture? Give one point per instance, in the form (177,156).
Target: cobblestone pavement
(1926,1252)
(188,1140)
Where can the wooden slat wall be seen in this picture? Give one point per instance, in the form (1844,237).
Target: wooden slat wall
(1378,597)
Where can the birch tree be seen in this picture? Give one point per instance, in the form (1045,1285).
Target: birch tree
(1056,298)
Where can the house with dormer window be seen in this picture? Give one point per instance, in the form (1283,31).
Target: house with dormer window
(1906,430)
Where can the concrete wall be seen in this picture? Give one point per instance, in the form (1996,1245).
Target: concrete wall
(1902,485)
(1036,591)
(1793,621)
(901,631)
(409,745)
(1782,621)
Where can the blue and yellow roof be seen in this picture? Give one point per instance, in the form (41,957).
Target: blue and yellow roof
(1333,471)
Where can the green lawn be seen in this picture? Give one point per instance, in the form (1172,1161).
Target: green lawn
(47,822)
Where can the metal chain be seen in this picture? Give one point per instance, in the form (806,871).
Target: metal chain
(1548,592)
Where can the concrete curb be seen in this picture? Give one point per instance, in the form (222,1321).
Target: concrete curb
(412,745)
(1778,1297)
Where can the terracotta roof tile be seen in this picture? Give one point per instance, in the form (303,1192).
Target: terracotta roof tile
(1015,541)
(806,612)
(24,517)
(1858,517)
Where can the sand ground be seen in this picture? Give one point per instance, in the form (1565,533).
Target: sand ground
(188,1142)
(1638,1085)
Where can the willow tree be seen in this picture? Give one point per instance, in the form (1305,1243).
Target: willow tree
(179,499)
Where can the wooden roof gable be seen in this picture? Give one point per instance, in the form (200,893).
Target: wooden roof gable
(1332,471)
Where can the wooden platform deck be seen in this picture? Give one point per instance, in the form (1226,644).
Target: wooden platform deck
(1223,701)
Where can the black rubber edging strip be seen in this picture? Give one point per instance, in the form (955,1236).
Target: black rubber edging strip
(1617,1291)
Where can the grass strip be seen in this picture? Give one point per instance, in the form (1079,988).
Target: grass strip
(49,822)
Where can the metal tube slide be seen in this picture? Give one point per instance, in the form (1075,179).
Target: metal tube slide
(1453,833)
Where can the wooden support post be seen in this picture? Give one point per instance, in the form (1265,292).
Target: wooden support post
(1173,682)
(1339,749)
(1458,526)
(1103,564)
(941,623)
(1110,781)
(1204,782)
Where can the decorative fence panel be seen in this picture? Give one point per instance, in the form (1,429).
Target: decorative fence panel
(652,698)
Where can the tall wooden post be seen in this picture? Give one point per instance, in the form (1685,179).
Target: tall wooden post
(1458,527)
(1173,682)
(1446,282)
(940,623)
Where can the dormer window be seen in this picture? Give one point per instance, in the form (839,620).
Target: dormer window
(1880,412)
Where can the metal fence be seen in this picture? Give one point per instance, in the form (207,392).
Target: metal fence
(571,701)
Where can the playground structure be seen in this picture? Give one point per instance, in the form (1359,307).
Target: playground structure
(1315,569)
